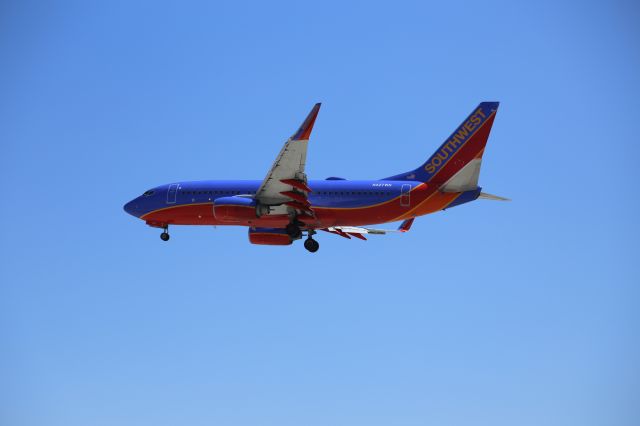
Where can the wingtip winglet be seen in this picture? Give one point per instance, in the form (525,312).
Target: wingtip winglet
(406,225)
(304,132)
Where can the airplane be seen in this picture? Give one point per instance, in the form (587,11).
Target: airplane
(286,206)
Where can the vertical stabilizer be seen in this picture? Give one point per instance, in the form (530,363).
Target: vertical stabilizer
(456,163)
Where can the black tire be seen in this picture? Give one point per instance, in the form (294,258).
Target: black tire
(311,245)
(164,236)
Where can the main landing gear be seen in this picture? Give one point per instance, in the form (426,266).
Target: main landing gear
(294,231)
(310,244)
(165,234)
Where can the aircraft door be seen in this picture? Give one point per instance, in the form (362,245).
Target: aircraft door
(405,195)
(172,193)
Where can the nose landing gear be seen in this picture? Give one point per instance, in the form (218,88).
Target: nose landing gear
(165,235)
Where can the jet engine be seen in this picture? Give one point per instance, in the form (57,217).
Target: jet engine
(269,236)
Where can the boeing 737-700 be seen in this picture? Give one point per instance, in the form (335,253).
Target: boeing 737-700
(286,205)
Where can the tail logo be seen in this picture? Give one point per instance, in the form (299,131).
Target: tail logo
(460,136)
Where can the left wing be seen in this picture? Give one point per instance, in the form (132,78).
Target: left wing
(286,182)
(358,232)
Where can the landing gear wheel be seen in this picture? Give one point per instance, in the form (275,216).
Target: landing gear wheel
(294,231)
(165,235)
(311,245)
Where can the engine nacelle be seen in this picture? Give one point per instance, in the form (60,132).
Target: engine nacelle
(235,209)
(269,236)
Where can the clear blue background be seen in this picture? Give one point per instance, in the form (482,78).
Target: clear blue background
(522,313)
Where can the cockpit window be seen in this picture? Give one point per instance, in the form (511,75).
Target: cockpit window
(149,193)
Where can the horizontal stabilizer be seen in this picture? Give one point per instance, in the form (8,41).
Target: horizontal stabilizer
(485,196)
(358,232)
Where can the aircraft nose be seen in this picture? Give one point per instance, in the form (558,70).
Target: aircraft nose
(132,207)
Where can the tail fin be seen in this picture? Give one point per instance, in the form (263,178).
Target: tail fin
(455,166)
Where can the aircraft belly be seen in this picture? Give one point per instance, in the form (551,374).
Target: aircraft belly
(185,214)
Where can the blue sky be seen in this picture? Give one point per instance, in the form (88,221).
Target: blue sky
(488,314)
